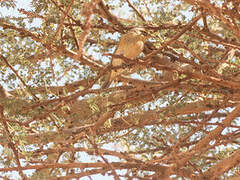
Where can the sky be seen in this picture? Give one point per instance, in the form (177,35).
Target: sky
(13,12)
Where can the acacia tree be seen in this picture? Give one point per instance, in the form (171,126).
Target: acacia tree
(175,114)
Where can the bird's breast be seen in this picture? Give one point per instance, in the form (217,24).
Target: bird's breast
(133,49)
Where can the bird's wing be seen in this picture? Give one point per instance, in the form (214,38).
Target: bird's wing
(120,50)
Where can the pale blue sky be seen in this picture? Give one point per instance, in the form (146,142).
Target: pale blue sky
(14,12)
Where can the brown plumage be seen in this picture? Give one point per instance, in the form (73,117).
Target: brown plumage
(130,46)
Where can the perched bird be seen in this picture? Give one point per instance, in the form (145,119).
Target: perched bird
(130,46)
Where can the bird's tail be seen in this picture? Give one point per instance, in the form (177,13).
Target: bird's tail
(107,81)
(110,77)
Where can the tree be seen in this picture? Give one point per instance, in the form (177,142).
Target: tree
(173,114)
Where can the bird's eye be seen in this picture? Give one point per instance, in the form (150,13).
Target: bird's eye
(144,33)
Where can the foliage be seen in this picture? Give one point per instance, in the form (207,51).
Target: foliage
(176,116)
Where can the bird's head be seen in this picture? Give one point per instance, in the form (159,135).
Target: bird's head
(141,33)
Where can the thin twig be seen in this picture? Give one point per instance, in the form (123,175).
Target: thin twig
(138,13)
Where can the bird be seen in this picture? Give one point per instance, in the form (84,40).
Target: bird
(130,46)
